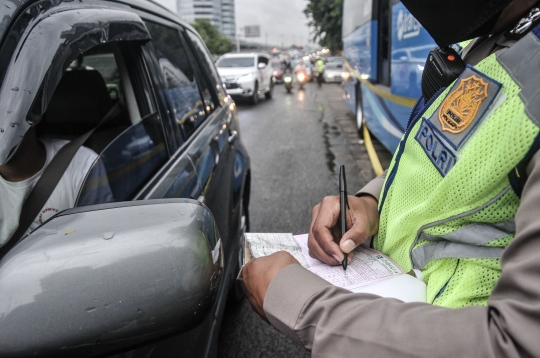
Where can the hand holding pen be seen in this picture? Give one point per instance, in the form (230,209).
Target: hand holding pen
(325,240)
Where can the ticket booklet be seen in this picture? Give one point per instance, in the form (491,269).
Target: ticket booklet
(370,271)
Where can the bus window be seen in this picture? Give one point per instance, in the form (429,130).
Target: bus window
(383,68)
(383,44)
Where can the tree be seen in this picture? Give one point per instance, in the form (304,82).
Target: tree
(325,16)
(217,43)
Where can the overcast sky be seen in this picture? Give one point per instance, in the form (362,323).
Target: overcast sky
(283,20)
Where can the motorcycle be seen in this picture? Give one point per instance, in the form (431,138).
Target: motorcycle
(288,81)
(301,78)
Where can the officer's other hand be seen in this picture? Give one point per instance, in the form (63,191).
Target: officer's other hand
(324,234)
(258,274)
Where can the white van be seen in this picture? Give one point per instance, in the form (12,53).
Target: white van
(246,75)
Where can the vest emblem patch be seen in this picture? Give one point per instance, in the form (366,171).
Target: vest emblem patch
(459,109)
(465,106)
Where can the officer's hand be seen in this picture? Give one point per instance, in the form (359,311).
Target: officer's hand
(324,233)
(258,274)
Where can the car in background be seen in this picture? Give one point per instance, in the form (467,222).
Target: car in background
(246,75)
(334,59)
(277,66)
(407,67)
(146,270)
(333,72)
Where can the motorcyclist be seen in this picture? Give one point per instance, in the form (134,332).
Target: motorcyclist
(286,66)
(301,68)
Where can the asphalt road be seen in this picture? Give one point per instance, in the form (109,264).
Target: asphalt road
(296,142)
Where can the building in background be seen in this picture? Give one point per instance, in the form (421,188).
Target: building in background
(228,20)
(219,12)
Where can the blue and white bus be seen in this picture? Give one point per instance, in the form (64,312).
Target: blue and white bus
(384,50)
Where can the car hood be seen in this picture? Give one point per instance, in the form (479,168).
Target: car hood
(232,72)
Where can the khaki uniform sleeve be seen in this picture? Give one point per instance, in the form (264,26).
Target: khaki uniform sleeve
(332,322)
(374,187)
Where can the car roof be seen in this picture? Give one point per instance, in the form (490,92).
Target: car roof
(243,54)
(154,8)
(8,15)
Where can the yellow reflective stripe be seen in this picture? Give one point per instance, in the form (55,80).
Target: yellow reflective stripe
(404,101)
(372,153)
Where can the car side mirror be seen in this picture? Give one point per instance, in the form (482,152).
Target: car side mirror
(261,65)
(98,279)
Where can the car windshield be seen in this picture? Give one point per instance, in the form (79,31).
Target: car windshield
(335,60)
(236,62)
(333,66)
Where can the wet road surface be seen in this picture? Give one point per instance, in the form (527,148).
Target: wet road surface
(296,143)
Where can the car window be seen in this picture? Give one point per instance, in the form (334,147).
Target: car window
(105,64)
(236,62)
(125,165)
(87,91)
(183,92)
(207,64)
(133,144)
(206,86)
(263,59)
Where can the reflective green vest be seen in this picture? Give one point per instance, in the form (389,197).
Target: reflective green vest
(319,65)
(452,189)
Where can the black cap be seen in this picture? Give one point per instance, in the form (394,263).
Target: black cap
(449,22)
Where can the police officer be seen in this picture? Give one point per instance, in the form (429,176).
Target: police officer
(459,202)
(319,66)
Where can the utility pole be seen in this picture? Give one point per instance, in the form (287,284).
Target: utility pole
(238,39)
(266,39)
(281,35)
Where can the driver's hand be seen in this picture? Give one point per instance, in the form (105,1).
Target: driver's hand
(324,234)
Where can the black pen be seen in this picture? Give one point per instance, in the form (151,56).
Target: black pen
(343,204)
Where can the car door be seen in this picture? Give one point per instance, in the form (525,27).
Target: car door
(207,149)
(268,70)
(204,141)
(190,116)
(213,149)
(263,80)
(181,105)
